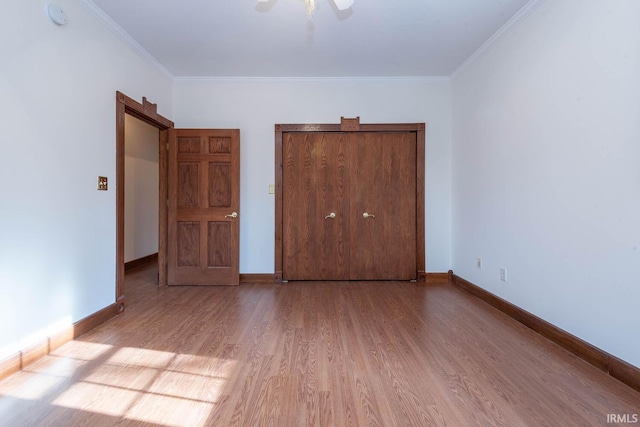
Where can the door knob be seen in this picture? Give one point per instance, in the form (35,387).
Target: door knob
(331,215)
(368,215)
(232,215)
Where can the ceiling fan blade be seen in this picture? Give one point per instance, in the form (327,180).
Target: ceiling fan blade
(343,4)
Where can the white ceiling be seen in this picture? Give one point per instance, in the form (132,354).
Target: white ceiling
(375,38)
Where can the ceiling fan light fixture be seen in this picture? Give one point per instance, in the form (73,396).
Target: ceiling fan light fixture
(310,5)
(343,4)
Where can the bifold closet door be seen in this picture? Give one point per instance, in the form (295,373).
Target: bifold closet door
(349,206)
(382,226)
(315,210)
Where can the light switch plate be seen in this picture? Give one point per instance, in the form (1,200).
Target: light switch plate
(103,183)
(272,189)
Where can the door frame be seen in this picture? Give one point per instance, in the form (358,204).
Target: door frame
(147,112)
(417,128)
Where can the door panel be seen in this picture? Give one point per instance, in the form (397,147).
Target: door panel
(188,242)
(383,185)
(315,184)
(188,189)
(219,253)
(203,190)
(219,185)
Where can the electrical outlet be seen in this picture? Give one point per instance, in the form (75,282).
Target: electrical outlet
(503,274)
(479,262)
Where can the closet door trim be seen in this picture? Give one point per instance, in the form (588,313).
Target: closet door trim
(418,128)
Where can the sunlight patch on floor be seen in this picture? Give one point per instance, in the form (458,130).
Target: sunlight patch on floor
(63,367)
(203,365)
(82,350)
(31,386)
(38,379)
(98,398)
(172,411)
(128,377)
(144,357)
(188,386)
(152,386)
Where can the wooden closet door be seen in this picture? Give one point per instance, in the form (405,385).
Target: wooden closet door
(383,186)
(315,183)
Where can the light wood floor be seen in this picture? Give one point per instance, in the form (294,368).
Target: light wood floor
(341,354)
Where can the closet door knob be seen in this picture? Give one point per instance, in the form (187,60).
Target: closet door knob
(368,215)
(331,215)
(232,215)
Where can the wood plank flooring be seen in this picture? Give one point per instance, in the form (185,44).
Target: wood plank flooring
(307,354)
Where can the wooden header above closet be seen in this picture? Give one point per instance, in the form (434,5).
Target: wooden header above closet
(348,125)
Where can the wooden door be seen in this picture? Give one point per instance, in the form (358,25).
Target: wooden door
(383,206)
(400,231)
(315,210)
(203,207)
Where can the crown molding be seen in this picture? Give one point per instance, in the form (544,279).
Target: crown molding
(90,6)
(354,79)
(522,14)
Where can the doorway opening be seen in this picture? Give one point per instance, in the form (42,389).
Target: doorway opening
(141,176)
(147,113)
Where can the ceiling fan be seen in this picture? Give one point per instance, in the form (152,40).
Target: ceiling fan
(311,5)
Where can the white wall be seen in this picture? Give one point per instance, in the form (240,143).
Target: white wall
(57,232)
(256,106)
(141,188)
(546,175)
